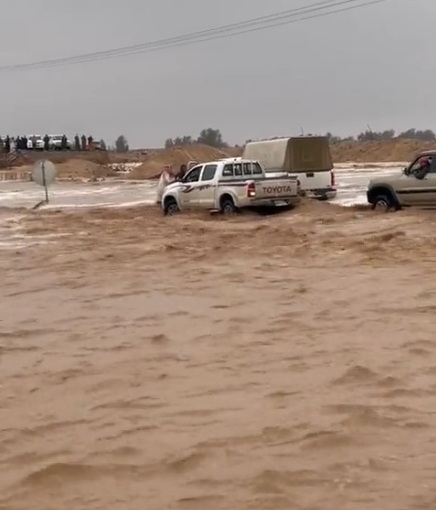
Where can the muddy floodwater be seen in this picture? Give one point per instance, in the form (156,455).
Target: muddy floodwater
(199,362)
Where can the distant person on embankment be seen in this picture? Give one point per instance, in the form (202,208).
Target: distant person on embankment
(166,177)
(8,144)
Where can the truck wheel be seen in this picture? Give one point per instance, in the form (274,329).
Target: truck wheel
(228,206)
(170,207)
(382,203)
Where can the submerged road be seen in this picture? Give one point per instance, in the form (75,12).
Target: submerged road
(351,185)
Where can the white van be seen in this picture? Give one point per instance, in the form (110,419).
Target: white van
(308,157)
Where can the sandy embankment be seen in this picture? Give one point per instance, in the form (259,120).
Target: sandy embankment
(397,149)
(193,362)
(97,165)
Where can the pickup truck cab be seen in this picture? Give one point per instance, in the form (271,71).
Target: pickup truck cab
(227,186)
(414,186)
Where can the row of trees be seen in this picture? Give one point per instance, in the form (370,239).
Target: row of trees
(214,138)
(425,135)
(209,136)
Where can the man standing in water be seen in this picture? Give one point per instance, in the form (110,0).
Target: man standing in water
(166,177)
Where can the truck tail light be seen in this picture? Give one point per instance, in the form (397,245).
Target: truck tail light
(332,179)
(251,189)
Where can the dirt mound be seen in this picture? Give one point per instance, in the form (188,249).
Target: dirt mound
(82,169)
(176,156)
(397,149)
(12,160)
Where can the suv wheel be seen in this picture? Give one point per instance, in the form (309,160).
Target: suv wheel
(382,203)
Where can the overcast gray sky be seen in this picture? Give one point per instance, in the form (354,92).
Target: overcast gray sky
(373,66)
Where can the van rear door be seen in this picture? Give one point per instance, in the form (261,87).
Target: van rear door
(309,157)
(308,154)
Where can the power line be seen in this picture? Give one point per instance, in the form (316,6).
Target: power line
(199,34)
(197,37)
(202,33)
(221,32)
(316,10)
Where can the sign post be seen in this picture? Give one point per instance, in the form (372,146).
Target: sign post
(44,180)
(43,174)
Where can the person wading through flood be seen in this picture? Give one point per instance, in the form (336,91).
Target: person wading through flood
(166,177)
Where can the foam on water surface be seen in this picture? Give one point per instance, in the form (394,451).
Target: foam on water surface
(75,195)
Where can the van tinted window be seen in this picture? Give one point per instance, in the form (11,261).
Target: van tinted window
(237,169)
(208,172)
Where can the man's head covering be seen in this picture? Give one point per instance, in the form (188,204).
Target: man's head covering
(424,161)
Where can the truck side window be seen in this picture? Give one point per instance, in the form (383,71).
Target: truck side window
(228,171)
(208,172)
(193,175)
(237,169)
(257,170)
(247,168)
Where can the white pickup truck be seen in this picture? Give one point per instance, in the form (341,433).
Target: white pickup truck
(227,186)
